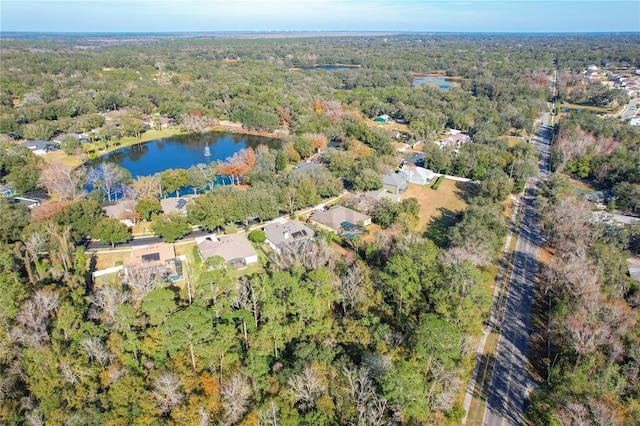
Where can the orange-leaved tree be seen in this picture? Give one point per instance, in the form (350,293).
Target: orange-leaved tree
(238,164)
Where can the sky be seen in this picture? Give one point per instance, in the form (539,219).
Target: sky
(320,15)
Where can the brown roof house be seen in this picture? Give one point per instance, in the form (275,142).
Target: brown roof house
(175,204)
(287,236)
(341,220)
(235,249)
(161,256)
(123,210)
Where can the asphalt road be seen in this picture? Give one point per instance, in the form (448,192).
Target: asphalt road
(508,387)
(142,241)
(507,390)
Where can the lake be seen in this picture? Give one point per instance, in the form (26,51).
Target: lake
(330,67)
(181,152)
(441,83)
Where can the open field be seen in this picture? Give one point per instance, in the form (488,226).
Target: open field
(391,126)
(448,199)
(588,108)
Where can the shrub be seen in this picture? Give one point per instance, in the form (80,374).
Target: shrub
(257,236)
(230,228)
(437,183)
(196,255)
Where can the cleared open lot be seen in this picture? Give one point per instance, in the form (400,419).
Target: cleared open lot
(449,199)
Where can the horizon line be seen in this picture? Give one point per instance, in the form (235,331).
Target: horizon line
(316,31)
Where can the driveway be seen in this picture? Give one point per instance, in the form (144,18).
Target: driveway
(631,109)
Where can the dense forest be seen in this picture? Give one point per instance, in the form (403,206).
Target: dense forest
(385,334)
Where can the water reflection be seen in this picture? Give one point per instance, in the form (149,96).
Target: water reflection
(181,152)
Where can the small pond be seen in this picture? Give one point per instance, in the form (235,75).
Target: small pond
(330,67)
(441,83)
(181,152)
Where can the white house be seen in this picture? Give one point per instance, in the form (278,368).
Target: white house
(417,175)
(40,147)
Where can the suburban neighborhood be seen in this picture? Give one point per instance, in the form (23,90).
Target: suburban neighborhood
(345,227)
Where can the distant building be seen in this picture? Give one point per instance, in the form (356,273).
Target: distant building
(384,118)
(40,147)
(304,167)
(235,249)
(7,190)
(80,137)
(287,236)
(160,121)
(455,140)
(30,203)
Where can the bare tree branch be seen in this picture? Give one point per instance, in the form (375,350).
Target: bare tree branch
(167,390)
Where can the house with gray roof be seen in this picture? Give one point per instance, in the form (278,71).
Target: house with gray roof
(341,220)
(235,249)
(40,147)
(416,160)
(395,183)
(30,203)
(7,190)
(80,137)
(304,167)
(287,236)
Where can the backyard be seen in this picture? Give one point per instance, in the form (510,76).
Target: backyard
(449,198)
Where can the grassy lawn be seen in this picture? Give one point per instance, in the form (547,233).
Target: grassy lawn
(108,259)
(448,200)
(476,409)
(391,126)
(581,184)
(587,108)
(186,250)
(254,268)
(514,140)
(108,279)
(142,227)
